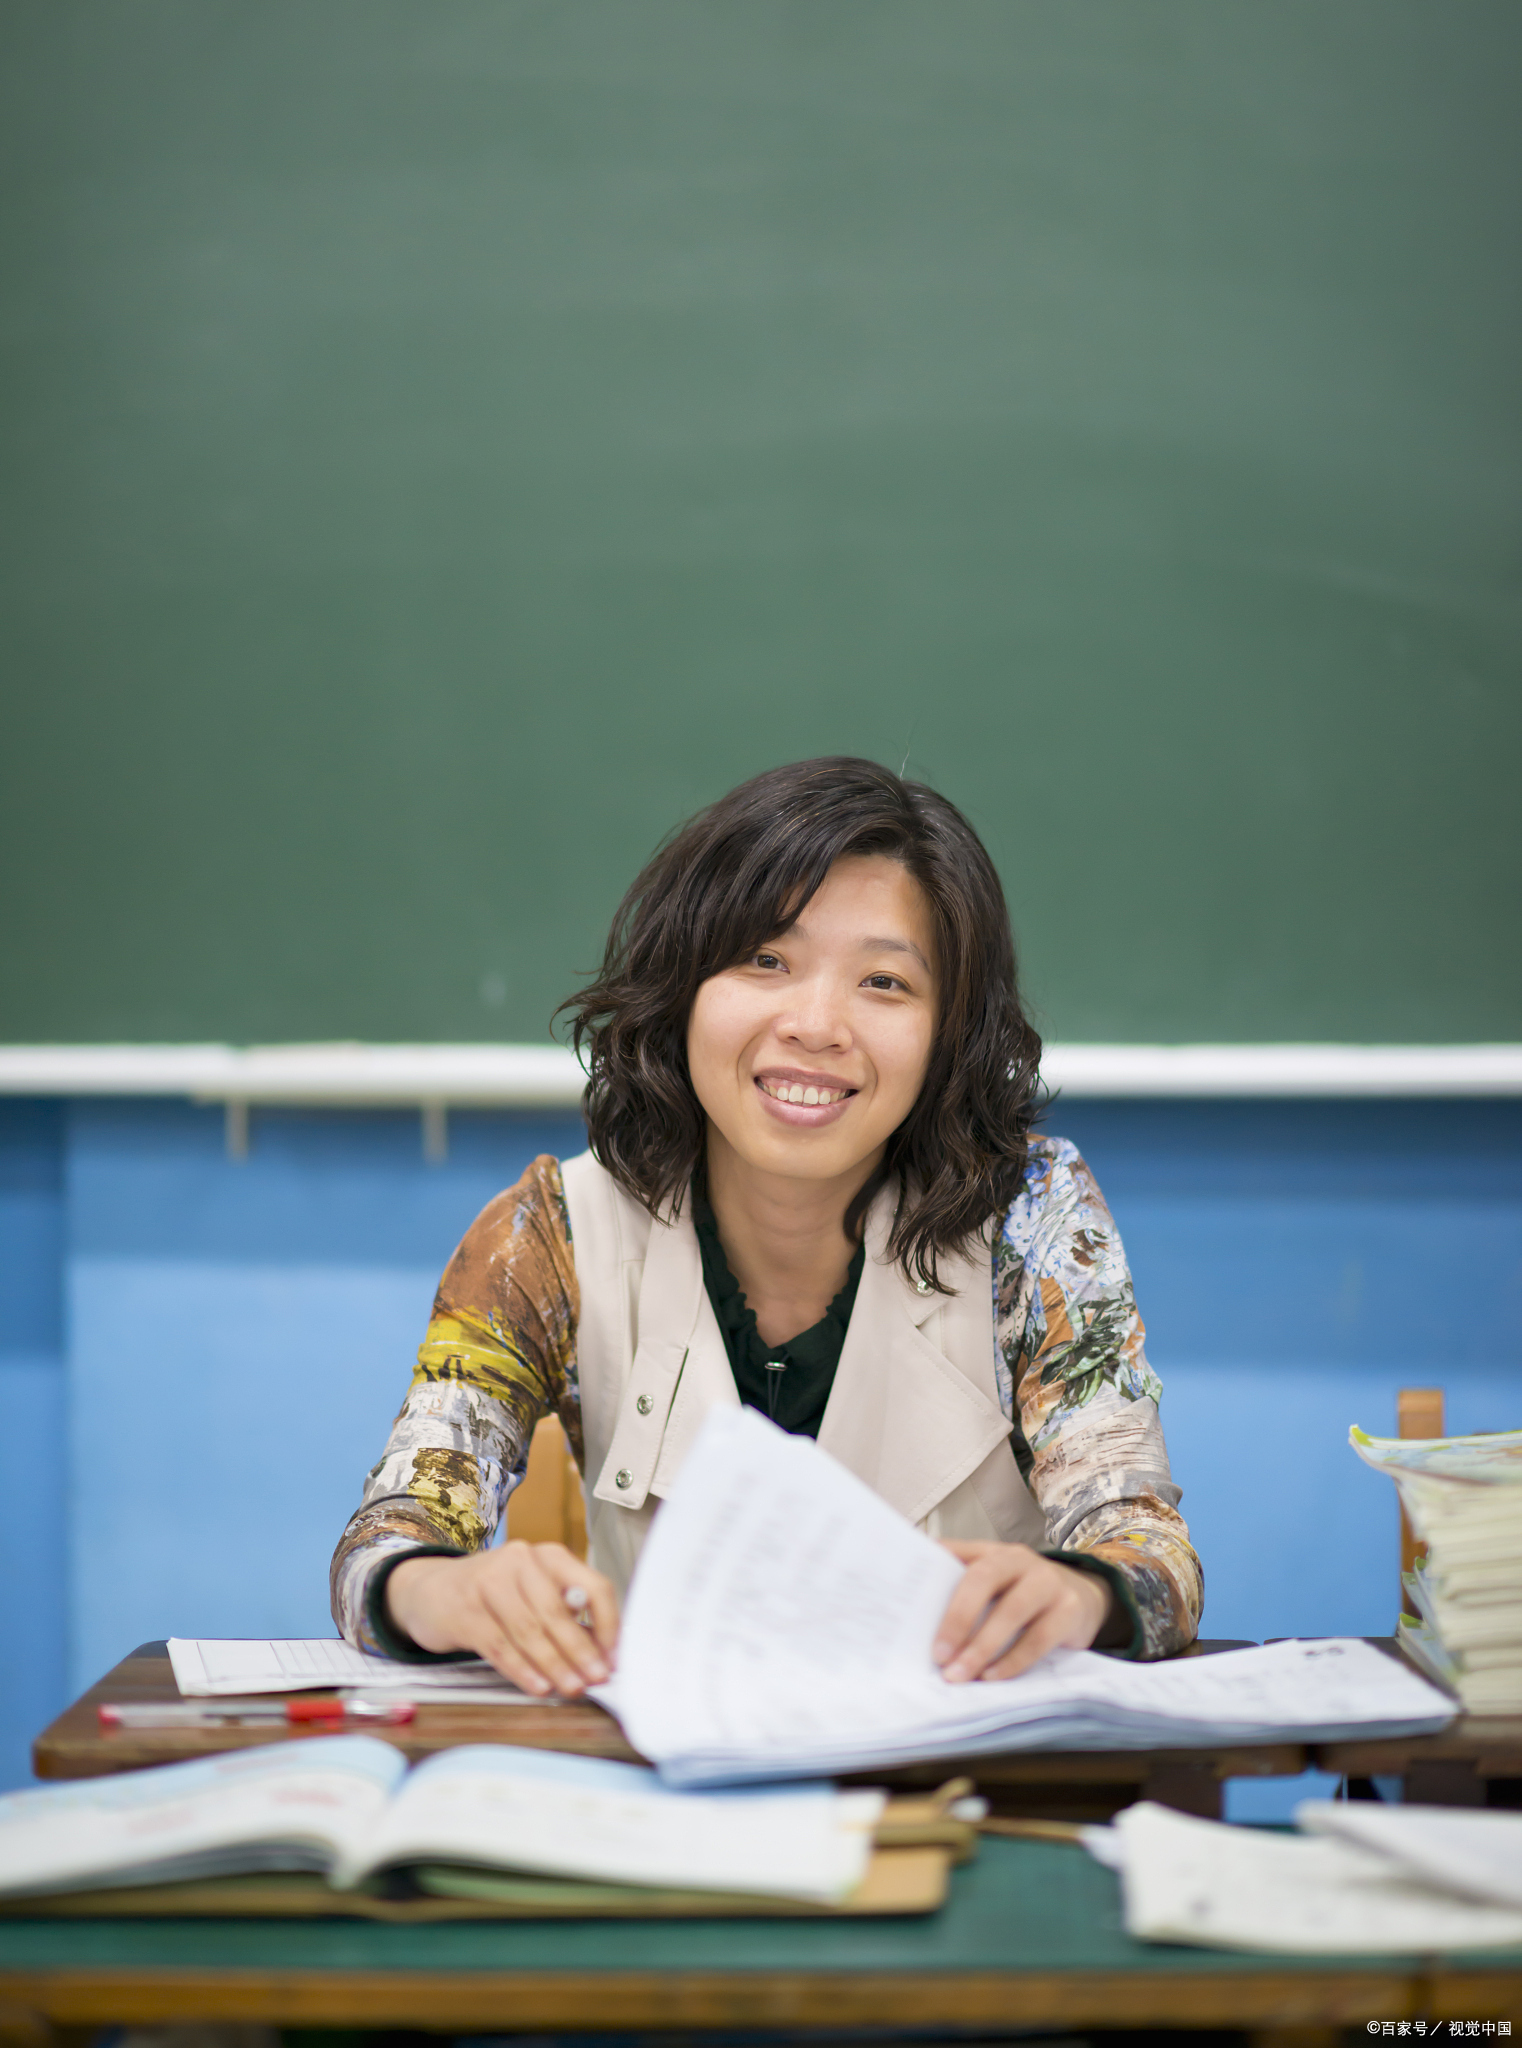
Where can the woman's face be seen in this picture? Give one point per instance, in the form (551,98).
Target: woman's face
(810,1054)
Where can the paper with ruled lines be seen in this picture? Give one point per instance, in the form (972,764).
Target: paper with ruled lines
(207,1668)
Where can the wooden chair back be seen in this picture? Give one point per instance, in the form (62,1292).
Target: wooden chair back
(549,1507)
(1418,1413)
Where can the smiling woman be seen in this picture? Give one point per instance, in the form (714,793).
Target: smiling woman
(812,1187)
(848,987)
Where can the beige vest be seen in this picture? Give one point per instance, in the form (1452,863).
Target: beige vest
(914,1410)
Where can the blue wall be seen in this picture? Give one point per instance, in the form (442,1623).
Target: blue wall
(1296,1264)
(34,1526)
(199,1357)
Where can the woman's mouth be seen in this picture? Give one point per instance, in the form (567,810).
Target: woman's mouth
(801,1092)
(803,1104)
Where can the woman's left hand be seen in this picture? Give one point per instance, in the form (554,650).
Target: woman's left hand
(1012,1606)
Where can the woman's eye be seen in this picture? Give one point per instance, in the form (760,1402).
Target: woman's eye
(885,981)
(768,960)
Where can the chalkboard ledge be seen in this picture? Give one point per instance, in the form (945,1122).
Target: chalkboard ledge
(548,1076)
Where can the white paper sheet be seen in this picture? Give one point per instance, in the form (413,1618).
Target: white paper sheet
(1202,1882)
(210,1668)
(1477,1853)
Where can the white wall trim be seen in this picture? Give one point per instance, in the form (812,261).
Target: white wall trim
(337,1075)
(1284,1069)
(547,1077)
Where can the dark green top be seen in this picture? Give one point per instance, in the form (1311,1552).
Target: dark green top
(788,1382)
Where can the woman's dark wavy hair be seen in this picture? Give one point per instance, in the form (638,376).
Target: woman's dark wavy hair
(737,875)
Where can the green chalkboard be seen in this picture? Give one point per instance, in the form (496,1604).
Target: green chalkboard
(446,441)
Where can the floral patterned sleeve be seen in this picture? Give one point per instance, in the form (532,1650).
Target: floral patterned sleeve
(1074,1379)
(499,1353)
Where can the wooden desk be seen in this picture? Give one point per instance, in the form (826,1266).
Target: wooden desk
(1476,1762)
(1031,1937)
(1072,1785)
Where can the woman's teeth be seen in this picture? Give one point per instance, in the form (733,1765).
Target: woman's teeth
(794,1091)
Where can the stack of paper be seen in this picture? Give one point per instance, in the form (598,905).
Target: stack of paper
(1464,1497)
(781,1618)
(1364,1879)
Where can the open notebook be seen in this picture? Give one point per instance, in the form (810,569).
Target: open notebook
(347,1807)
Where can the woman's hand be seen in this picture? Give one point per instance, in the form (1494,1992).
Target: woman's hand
(510,1607)
(1012,1607)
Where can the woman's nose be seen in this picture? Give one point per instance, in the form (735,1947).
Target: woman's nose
(816,1016)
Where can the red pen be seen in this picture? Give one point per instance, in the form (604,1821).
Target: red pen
(303,1711)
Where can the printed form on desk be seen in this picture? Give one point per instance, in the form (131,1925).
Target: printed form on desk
(207,1668)
(780,1623)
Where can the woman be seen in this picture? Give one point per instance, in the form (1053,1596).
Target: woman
(811,1187)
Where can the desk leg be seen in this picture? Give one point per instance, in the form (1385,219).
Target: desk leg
(1186,1787)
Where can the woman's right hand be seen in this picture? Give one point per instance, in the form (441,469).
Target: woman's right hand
(509,1606)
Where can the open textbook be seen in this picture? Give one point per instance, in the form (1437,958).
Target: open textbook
(1464,1497)
(348,1807)
(781,1618)
(1362,1879)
